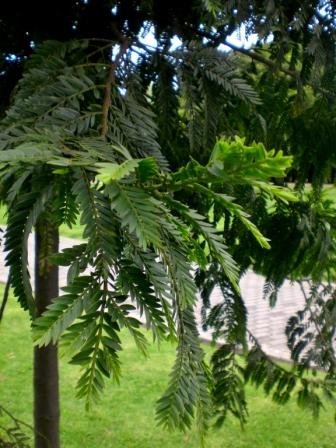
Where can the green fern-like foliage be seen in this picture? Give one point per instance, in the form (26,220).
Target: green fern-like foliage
(228,388)
(310,332)
(81,140)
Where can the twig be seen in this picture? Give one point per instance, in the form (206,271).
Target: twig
(108,86)
(274,66)
(256,56)
(220,38)
(15,433)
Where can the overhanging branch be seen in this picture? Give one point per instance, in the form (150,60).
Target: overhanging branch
(110,81)
(274,66)
(257,57)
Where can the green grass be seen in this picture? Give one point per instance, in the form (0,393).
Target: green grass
(125,416)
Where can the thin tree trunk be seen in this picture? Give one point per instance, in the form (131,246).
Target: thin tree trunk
(46,389)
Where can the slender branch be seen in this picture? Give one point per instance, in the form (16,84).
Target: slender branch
(293,372)
(257,57)
(15,432)
(274,66)
(108,86)
(14,419)
(220,38)
(99,49)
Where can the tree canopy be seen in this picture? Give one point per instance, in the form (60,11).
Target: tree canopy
(138,141)
(306,27)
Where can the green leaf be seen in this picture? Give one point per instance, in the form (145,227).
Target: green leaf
(228,389)
(247,162)
(138,212)
(215,241)
(112,171)
(187,391)
(64,310)
(22,217)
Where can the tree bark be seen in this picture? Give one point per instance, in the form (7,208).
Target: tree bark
(46,388)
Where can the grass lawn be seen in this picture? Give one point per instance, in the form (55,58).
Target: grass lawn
(125,416)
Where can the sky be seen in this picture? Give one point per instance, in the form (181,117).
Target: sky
(237,38)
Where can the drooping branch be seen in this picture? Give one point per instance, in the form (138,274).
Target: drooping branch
(221,38)
(257,57)
(327,345)
(274,66)
(110,81)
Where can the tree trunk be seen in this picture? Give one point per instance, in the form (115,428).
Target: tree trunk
(46,389)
